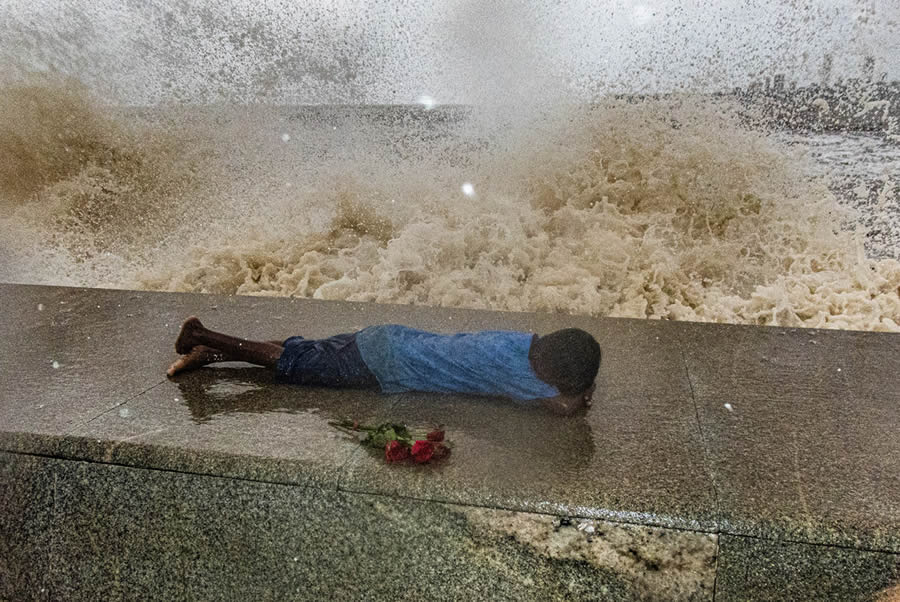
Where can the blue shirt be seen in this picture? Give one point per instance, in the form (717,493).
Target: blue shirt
(491,362)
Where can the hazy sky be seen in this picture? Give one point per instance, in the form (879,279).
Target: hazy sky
(145,51)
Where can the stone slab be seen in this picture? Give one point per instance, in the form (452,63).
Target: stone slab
(106,397)
(635,456)
(73,353)
(753,569)
(58,370)
(236,422)
(808,450)
(126,533)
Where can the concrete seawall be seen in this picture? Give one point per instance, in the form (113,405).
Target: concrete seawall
(718,462)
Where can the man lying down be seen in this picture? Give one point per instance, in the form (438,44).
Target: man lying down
(558,369)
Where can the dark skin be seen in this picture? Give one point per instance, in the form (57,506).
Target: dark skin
(199,346)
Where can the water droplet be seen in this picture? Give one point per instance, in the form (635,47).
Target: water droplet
(285,137)
(40,307)
(55,364)
(124,412)
(468,189)
(729,407)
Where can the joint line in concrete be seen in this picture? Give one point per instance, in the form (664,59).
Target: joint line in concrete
(707,461)
(108,410)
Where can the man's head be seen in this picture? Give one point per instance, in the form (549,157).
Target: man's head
(568,359)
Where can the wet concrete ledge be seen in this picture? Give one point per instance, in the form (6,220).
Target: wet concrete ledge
(727,461)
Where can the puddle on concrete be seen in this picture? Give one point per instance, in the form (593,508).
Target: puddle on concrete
(228,389)
(223,390)
(239,389)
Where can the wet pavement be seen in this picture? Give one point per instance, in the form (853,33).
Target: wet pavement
(708,449)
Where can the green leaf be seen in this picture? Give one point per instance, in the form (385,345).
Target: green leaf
(380,437)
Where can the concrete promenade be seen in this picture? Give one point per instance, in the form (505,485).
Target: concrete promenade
(718,462)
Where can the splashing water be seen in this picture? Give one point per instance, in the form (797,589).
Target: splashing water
(660,209)
(543,192)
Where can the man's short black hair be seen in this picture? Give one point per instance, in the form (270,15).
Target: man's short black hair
(568,359)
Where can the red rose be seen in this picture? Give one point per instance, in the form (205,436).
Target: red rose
(435,435)
(395,451)
(422,451)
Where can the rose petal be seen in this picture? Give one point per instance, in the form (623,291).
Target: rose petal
(394,451)
(422,451)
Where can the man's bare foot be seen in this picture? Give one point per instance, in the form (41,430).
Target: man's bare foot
(186,341)
(198,357)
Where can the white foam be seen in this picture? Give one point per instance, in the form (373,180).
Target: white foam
(653,209)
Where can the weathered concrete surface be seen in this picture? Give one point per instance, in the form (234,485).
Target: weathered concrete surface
(636,456)
(753,569)
(810,449)
(105,449)
(121,533)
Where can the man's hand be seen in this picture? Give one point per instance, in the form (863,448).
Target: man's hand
(589,395)
(567,405)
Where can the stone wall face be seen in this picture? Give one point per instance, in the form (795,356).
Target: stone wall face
(115,533)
